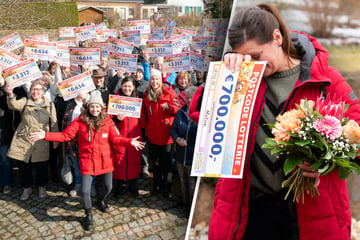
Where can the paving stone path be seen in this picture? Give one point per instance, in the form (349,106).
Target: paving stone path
(59,216)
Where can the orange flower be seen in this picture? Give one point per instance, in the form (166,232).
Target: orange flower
(288,122)
(351,131)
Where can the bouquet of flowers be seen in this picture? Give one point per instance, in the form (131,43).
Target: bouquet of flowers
(316,133)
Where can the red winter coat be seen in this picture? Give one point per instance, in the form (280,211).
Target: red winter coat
(323,217)
(95,156)
(156,121)
(127,161)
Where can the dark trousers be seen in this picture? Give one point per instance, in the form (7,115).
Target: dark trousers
(60,106)
(53,161)
(103,187)
(6,174)
(145,152)
(272,218)
(25,172)
(161,157)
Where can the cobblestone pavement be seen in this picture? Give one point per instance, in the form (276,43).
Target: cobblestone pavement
(59,216)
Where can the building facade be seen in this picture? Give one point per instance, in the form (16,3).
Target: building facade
(127,10)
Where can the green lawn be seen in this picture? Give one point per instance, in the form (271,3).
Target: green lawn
(346,59)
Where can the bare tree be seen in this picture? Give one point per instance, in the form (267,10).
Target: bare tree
(114,19)
(222,8)
(324,14)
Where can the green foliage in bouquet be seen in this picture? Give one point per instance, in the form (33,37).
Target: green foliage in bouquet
(319,135)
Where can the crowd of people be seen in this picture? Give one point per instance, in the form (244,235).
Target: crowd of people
(106,150)
(103,150)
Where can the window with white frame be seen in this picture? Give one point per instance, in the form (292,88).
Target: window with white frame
(131,12)
(122,13)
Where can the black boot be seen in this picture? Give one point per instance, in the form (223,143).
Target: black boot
(133,189)
(119,190)
(103,204)
(156,178)
(88,222)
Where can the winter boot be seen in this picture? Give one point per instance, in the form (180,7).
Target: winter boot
(119,189)
(26,194)
(103,204)
(88,222)
(156,178)
(133,188)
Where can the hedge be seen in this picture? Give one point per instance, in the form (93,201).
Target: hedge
(32,15)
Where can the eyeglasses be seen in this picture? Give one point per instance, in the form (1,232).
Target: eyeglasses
(37,89)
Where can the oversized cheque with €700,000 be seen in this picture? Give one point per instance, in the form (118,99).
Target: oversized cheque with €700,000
(225,117)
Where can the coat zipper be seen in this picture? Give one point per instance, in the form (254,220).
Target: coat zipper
(245,172)
(92,154)
(126,149)
(187,137)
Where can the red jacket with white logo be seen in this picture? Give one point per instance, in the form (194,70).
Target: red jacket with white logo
(95,156)
(157,121)
(323,217)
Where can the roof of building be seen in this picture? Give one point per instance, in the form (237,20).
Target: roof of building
(117,1)
(87,7)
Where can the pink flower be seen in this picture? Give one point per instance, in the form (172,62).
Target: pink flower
(331,107)
(330,126)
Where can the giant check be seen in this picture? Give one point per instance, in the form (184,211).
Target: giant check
(21,73)
(129,106)
(223,128)
(71,87)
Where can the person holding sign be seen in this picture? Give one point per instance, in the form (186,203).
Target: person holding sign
(95,131)
(160,104)
(6,133)
(104,65)
(127,161)
(297,68)
(98,77)
(37,112)
(141,84)
(115,81)
(167,78)
(182,82)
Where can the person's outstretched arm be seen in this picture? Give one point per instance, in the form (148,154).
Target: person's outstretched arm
(69,133)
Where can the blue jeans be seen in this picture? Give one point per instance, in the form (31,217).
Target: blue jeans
(75,164)
(5,167)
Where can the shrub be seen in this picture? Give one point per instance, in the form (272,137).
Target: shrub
(32,15)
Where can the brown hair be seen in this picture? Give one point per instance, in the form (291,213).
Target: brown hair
(132,80)
(182,75)
(51,64)
(158,92)
(94,122)
(258,23)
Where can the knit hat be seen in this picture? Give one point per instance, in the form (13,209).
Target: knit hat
(140,68)
(95,97)
(155,72)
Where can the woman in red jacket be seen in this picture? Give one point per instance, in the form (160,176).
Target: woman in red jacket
(127,161)
(254,207)
(95,131)
(160,104)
